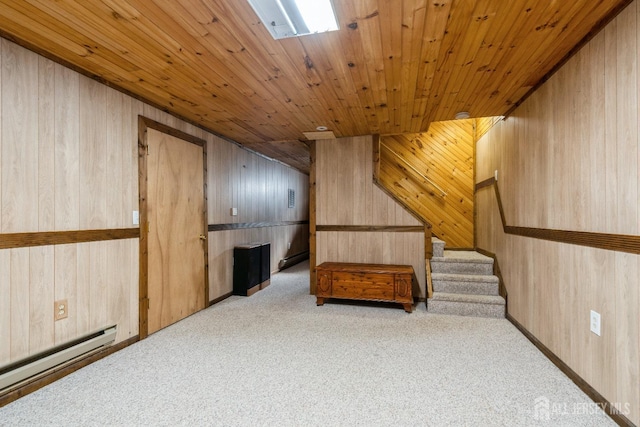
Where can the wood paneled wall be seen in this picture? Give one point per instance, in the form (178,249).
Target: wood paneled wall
(569,159)
(347,196)
(419,168)
(68,161)
(345,192)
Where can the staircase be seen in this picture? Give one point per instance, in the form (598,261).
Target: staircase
(463,284)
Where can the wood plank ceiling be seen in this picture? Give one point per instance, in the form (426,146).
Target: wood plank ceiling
(392,68)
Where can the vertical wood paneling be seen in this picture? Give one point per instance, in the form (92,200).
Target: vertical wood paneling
(83,290)
(19,139)
(346,195)
(626,330)
(339,162)
(117,288)
(93,154)
(134,261)
(627,120)
(114,160)
(67,148)
(66,287)
(19,296)
(568,159)
(5,306)
(221,244)
(46,144)
(374,247)
(258,188)
(69,161)
(41,291)
(2,54)
(98,277)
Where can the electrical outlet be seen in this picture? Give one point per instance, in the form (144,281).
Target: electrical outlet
(136,218)
(595,322)
(60,309)
(495,174)
(289,245)
(234,212)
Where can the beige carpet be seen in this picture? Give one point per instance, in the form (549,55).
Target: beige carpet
(275,359)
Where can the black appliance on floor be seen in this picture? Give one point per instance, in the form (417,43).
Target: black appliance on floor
(251,268)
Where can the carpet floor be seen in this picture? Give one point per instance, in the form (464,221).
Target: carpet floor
(275,359)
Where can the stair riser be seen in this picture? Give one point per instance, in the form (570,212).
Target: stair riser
(477,288)
(461,268)
(438,249)
(465,309)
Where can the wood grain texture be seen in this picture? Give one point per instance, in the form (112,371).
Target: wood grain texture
(368,228)
(607,406)
(368,282)
(176,215)
(347,198)
(375,248)
(97,269)
(90,276)
(571,245)
(19,139)
(432,174)
(612,242)
(390,69)
(345,192)
(312,220)
(46,238)
(239,226)
(221,244)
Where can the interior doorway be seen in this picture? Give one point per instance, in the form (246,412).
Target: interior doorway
(173,218)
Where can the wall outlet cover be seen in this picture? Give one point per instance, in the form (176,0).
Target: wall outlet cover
(60,309)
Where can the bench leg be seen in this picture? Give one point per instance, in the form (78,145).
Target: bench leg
(319,301)
(408,307)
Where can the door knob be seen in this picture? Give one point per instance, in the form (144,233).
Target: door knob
(203,237)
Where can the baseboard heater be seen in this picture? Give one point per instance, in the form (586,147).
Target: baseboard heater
(292,260)
(21,370)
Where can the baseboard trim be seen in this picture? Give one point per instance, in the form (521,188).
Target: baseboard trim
(599,399)
(46,378)
(220,298)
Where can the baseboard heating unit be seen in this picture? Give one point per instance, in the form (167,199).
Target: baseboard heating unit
(292,260)
(21,370)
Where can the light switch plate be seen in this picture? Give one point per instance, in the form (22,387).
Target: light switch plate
(234,211)
(136,217)
(595,322)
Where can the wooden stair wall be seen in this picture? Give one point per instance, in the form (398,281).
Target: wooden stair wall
(432,174)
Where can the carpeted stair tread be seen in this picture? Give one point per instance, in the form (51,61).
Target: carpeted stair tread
(465,256)
(464,284)
(464,277)
(462,262)
(477,299)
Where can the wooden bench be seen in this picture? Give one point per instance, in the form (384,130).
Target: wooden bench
(369,282)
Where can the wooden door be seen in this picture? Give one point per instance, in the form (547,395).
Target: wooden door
(175,215)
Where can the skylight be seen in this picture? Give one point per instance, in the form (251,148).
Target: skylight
(292,18)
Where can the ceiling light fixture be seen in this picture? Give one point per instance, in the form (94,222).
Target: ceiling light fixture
(462,115)
(321,128)
(291,18)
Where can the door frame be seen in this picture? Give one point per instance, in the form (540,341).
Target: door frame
(145,123)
